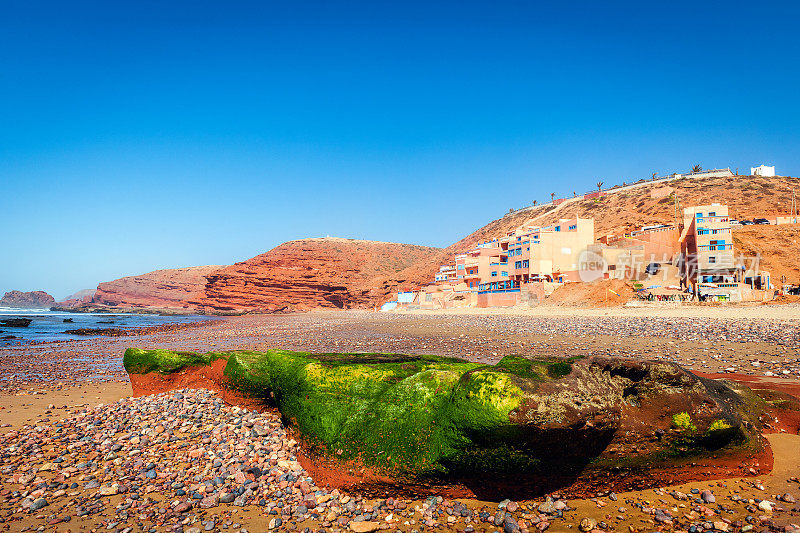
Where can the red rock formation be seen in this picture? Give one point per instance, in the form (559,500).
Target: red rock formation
(314,273)
(79,298)
(160,289)
(27,300)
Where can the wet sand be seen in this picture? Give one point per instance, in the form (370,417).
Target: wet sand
(37,406)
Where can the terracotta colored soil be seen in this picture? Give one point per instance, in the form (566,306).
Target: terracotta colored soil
(194,377)
(596,294)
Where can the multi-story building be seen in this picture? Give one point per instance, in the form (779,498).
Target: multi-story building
(485,262)
(707,247)
(447,273)
(530,253)
(547,253)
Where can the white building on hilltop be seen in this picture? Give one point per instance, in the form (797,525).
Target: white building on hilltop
(762,170)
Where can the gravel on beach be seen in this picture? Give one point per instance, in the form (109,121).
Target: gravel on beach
(186,461)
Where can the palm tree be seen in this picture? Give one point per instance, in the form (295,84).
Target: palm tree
(599,185)
(697,168)
(552,197)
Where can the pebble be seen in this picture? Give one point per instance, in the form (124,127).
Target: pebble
(587,524)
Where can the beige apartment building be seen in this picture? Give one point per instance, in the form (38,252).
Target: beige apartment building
(496,269)
(550,253)
(707,247)
(479,263)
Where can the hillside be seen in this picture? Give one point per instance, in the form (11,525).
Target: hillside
(779,247)
(344,273)
(619,212)
(161,289)
(314,273)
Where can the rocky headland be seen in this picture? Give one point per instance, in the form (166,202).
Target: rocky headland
(170,288)
(27,300)
(314,273)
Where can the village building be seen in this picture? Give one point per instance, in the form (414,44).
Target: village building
(762,170)
(447,273)
(691,260)
(707,247)
(549,253)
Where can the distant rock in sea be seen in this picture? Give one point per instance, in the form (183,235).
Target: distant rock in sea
(15,323)
(27,300)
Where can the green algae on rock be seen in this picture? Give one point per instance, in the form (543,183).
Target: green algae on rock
(423,416)
(138,361)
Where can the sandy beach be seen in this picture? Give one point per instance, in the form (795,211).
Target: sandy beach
(78,384)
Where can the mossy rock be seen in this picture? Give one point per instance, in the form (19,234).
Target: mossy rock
(425,416)
(138,361)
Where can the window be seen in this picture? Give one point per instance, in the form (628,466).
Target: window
(518,264)
(525,264)
(712,259)
(460,267)
(558,228)
(494,274)
(428,297)
(504,273)
(574,226)
(712,213)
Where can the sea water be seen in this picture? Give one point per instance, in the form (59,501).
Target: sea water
(49,325)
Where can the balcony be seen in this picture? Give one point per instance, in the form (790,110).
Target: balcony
(714,247)
(711,220)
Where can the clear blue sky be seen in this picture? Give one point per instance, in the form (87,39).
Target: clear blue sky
(144,135)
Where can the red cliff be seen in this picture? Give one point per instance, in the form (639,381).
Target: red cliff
(314,273)
(160,289)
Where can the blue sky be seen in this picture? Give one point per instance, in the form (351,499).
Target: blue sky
(144,135)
